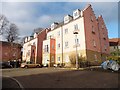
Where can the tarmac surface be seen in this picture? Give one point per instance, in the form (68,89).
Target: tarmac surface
(62,78)
(8,82)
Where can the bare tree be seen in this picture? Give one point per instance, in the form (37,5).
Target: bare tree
(12,33)
(3,24)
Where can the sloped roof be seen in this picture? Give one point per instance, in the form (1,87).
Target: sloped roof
(114,41)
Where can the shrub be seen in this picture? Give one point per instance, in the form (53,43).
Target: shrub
(81,60)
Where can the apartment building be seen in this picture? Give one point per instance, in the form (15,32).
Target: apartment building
(83,31)
(114,44)
(32,47)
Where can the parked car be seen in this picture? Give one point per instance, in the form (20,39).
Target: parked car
(45,65)
(5,65)
(30,65)
(110,64)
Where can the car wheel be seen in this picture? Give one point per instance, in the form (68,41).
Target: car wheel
(26,66)
(37,66)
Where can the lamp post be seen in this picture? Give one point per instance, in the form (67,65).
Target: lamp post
(76,32)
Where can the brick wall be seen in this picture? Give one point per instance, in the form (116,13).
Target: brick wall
(10,51)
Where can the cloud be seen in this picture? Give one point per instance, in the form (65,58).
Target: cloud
(44,19)
(17,11)
(30,15)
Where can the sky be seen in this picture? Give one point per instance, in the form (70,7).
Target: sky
(31,15)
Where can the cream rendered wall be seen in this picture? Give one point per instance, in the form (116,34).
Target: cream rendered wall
(46,56)
(26,47)
(70,38)
(24,51)
(46,42)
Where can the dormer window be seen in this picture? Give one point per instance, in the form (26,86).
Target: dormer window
(26,39)
(67,18)
(76,14)
(54,25)
(35,35)
(29,38)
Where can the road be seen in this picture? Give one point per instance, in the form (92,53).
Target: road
(63,78)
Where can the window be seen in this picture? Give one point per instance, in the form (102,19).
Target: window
(52,26)
(93,30)
(94,43)
(59,45)
(76,27)
(66,44)
(66,18)
(66,31)
(58,33)
(28,53)
(102,26)
(95,57)
(58,59)
(51,36)
(105,48)
(75,14)
(52,58)
(46,48)
(77,41)
(104,36)
(91,17)
(33,43)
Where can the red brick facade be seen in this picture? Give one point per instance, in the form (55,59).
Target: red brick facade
(9,51)
(41,37)
(96,35)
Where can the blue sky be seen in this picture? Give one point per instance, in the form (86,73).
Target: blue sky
(30,15)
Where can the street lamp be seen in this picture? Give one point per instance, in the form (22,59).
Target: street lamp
(76,32)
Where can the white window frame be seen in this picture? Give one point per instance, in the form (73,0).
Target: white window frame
(66,44)
(66,31)
(58,45)
(46,48)
(76,41)
(58,59)
(58,33)
(76,27)
(76,14)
